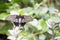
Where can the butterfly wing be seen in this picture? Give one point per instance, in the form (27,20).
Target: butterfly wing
(14,19)
(11,18)
(27,19)
(19,19)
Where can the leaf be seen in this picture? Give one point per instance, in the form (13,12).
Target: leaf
(14,12)
(15,1)
(6,26)
(56,19)
(57,38)
(41,11)
(3,16)
(3,7)
(21,12)
(25,2)
(31,28)
(43,25)
(50,31)
(52,10)
(42,37)
(28,9)
(35,24)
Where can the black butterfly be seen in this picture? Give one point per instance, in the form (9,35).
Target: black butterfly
(19,20)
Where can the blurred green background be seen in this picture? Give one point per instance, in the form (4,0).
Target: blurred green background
(40,10)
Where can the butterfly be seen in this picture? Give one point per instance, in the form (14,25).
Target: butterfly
(19,20)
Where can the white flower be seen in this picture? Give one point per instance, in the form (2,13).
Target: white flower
(14,34)
(15,38)
(14,31)
(50,23)
(11,37)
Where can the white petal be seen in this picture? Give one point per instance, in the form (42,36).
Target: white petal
(11,37)
(50,23)
(14,32)
(11,32)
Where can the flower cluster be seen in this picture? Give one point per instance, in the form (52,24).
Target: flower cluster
(14,34)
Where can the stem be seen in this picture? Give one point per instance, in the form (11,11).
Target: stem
(53,36)
(34,37)
(41,3)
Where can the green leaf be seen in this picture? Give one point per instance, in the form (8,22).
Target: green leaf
(43,25)
(21,12)
(3,16)
(42,37)
(3,7)
(31,28)
(15,1)
(55,19)
(5,26)
(35,24)
(25,2)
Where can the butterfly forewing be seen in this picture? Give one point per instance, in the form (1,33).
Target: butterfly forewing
(11,18)
(27,19)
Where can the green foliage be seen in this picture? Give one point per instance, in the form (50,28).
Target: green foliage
(45,24)
(3,16)
(5,26)
(3,8)
(3,1)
